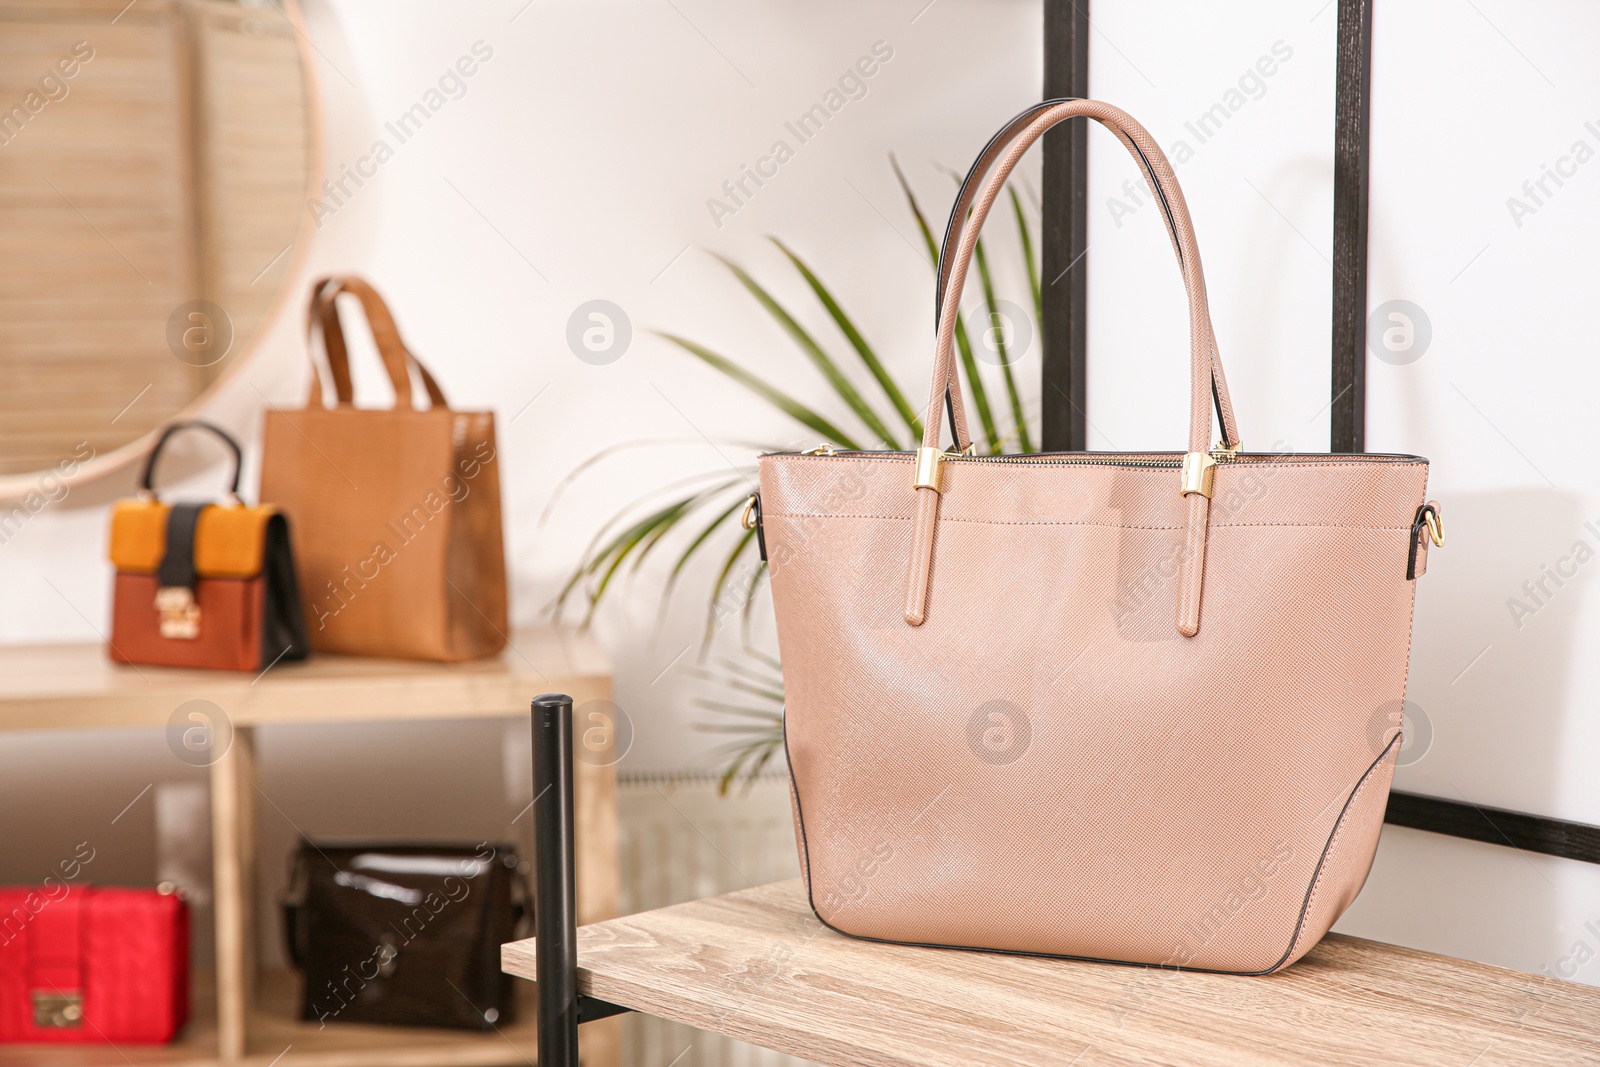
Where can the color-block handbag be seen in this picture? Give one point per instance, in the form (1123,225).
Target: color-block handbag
(203,584)
(1133,707)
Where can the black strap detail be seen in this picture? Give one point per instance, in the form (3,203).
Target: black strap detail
(146,480)
(177,565)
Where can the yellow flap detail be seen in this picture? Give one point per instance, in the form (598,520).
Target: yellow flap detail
(228,540)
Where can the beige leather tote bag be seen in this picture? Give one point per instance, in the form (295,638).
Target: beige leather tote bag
(1134,707)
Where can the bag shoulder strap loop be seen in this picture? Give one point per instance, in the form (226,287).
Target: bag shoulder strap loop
(1207,384)
(959,214)
(397,359)
(147,477)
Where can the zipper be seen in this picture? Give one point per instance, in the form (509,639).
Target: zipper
(1064,459)
(1049,460)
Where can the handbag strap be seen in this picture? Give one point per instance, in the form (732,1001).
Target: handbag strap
(398,360)
(147,476)
(1194,481)
(959,215)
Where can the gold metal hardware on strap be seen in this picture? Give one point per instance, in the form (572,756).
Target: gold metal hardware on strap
(1435,526)
(180,615)
(930,471)
(1198,468)
(57,1011)
(748,518)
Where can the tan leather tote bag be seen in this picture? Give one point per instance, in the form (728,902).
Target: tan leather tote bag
(1133,707)
(395,513)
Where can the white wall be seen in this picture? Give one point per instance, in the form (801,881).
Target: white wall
(577,166)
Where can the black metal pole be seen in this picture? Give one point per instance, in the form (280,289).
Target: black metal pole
(1351,144)
(1064,331)
(555,887)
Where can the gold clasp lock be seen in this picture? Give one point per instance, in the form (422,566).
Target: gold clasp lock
(180,615)
(57,1011)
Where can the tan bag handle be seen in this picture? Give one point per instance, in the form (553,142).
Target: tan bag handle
(1204,366)
(970,187)
(397,358)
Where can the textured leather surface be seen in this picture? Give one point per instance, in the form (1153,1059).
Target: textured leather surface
(397,528)
(228,540)
(125,950)
(232,613)
(999,739)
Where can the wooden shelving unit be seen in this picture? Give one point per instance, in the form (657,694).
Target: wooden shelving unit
(239,1016)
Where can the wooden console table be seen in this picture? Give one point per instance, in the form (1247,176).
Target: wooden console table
(758,966)
(248,1018)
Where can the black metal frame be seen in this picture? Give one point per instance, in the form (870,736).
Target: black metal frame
(555,888)
(1065,235)
(1347,430)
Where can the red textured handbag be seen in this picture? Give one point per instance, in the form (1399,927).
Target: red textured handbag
(82,964)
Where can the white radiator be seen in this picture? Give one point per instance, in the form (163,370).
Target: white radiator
(679,842)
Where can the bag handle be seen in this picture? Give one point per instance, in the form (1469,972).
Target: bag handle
(970,186)
(397,358)
(1195,478)
(147,477)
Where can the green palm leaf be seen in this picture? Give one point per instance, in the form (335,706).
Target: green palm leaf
(616,552)
(792,408)
(980,395)
(722,581)
(1025,235)
(986,280)
(859,343)
(830,370)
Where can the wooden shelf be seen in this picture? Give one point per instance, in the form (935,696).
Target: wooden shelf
(196,1045)
(76,686)
(274,1026)
(240,1017)
(758,965)
(274,1029)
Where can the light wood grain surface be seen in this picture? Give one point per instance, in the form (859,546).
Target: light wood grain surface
(758,966)
(72,686)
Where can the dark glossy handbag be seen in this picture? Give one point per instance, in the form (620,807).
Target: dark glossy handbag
(405,934)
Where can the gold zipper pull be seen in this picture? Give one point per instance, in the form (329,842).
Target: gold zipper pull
(823,449)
